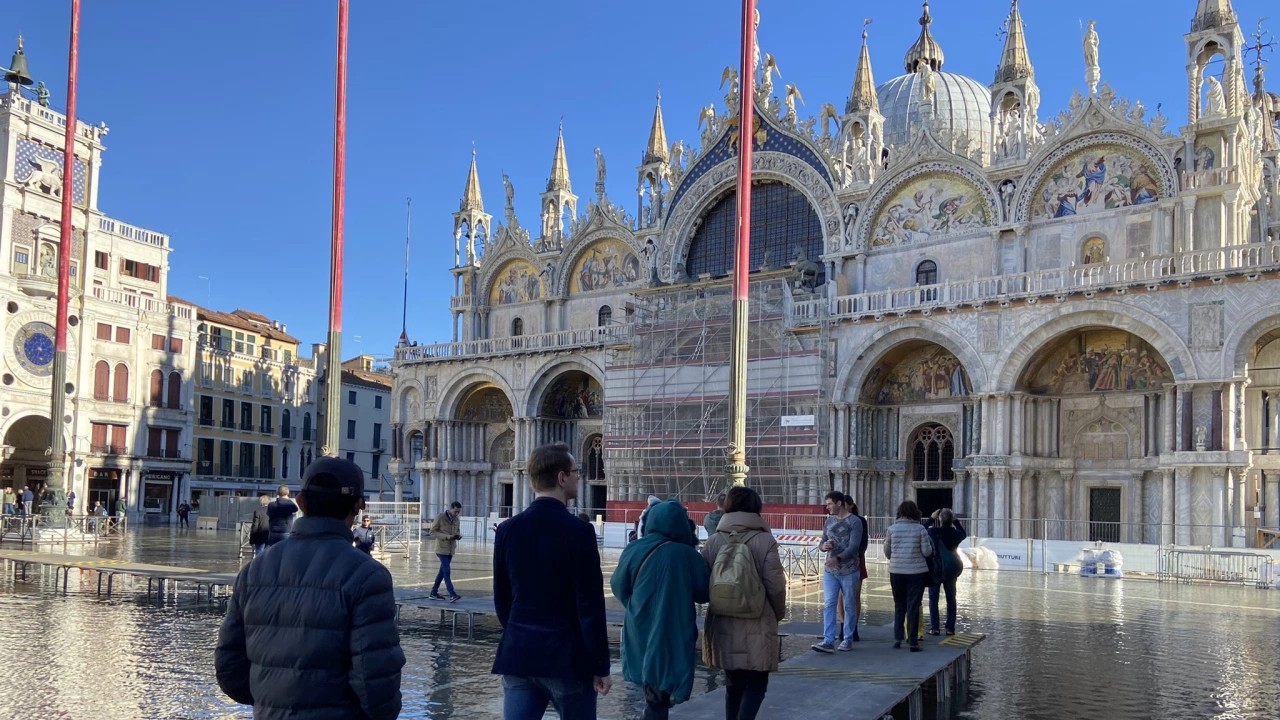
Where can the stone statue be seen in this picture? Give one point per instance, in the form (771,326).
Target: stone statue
(1012,141)
(793,94)
(928,83)
(850,222)
(766,78)
(730,98)
(511,194)
(707,115)
(48,265)
(807,269)
(42,94)
(1215,103)
(755,40)
(600,168)
(1092,73)
(1007,189)
(650,253)
(827,115)
(1200,438)
(548,276)
(677,156)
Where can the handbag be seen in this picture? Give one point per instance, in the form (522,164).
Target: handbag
(937,567)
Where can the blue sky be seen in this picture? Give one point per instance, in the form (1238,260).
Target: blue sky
(221,115)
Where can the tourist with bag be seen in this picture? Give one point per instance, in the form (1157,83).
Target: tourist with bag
(946,534)
(658,580)
(906,545)
(748,597)
(260,526)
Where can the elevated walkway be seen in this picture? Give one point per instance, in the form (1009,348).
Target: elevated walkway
(162,580)
(870,682)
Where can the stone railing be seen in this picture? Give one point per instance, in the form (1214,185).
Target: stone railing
(141,303)
(562,340)
(130,232)
(458,302)
(1213,177)
(1236,259)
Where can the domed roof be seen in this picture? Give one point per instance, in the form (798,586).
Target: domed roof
(960,104)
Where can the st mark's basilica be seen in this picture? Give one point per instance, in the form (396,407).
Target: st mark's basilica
(957,297)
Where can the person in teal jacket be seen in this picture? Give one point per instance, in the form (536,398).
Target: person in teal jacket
(658,580)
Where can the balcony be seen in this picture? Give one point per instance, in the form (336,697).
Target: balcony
(206,421)
(246,426)
(287,432)
(109,449)
(166,453)
(266,429)
(228,425)
(379,446)
(1249,260)
(458,302)
(470,349)
(37,285)
(141,303)
(267,473)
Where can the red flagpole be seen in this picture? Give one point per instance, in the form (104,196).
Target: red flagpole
(333,366)
(52,507)
(736,473)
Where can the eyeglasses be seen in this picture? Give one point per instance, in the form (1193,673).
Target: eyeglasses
(572,471)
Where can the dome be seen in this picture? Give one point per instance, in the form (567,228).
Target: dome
(960,104)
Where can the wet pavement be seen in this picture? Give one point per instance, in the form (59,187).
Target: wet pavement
(1057,646)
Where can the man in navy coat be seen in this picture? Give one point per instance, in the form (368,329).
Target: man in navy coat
(549,594)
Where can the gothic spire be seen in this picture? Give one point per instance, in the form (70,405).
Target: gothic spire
(559,179)
(925,49)
(1015,63)
(471,199)
(656,150)
(1212,13)
(863,95)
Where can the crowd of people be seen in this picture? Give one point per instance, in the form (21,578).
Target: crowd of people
(341,657)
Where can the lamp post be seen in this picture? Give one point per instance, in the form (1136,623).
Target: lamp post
(55,498)
(736,472)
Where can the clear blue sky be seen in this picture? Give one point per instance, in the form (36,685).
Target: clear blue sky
(221,115)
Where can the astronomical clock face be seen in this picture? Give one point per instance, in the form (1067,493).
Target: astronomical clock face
(28,349)
(33,348)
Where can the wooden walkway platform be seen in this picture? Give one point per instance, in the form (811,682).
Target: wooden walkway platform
(870,682)
(468,608)
(162,580)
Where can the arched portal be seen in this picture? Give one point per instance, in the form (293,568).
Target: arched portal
(482,415)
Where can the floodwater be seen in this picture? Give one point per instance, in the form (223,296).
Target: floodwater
(1057,646)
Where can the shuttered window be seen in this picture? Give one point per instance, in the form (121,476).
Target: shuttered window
(175,390)
(102,380)
(120,386)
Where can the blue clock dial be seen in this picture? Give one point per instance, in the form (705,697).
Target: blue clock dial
(33,348)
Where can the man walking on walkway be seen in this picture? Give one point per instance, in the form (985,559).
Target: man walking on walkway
(841,540)
(445,531)
(9,500)
(549,595)
(310,630)
(281,512)
(122,507)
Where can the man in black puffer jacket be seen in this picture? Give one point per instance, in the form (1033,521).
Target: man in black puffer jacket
(310,631)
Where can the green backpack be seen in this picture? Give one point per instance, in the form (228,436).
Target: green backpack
(736,588)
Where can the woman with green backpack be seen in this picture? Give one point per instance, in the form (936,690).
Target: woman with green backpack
(748,598)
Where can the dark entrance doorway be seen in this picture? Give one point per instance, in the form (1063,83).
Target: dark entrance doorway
(930,499)
(1104,514)
(596,498)
(508,499)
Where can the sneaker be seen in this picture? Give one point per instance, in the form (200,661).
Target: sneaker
(845,646)
(823,647)
(435,596)
(916,648)
(455,597)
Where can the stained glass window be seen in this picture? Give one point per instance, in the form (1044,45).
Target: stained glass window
(782,225)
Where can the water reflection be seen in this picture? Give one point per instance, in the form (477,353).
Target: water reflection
(1058,646)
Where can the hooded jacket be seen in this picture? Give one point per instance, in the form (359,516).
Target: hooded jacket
(747,643)
(658,579)
(310,631)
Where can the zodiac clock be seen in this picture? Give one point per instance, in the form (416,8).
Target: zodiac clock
(33,348)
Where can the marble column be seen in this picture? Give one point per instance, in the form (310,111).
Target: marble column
(1016,402)
(1271,499)
(1137,509)
(1000,503)
(1166,506)
(1219,536)
(1169,413)
(1069,529)
(982,513)
(1015,500)
(1182,502)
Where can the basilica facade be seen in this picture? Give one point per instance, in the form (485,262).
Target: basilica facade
(1058,326)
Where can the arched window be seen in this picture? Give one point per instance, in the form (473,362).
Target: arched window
(927,274)
(157,388)
(931,455)
(595,459)
(306,426)
(284,463)
(286,420)
(783,226)
(120,384)
(102,380)
(517,327)
(605,316)
(175,390)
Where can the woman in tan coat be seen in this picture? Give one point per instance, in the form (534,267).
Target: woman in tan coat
(746,648)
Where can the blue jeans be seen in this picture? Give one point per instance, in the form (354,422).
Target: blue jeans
(949,587)
(445,574)
(832,586)
(526,698)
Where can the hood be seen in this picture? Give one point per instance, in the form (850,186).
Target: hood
(739,521)
(654,500)
(671,520)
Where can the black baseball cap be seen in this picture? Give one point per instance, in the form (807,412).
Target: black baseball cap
(334,476)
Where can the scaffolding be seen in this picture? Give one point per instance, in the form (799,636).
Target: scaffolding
(666,414)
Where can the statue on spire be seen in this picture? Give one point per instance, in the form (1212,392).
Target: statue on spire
(1092,73)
